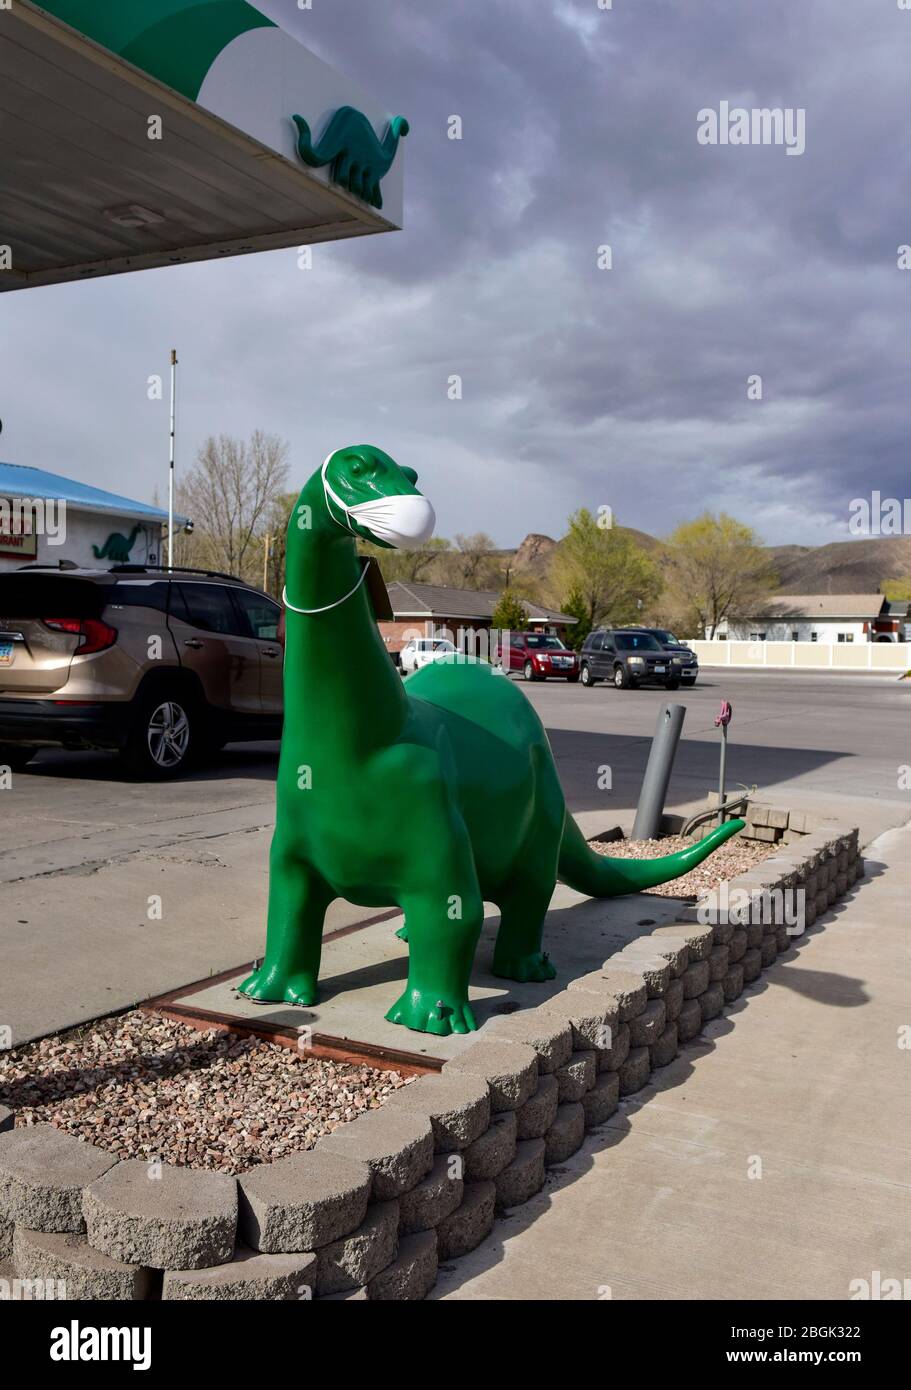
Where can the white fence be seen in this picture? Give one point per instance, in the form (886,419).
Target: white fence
(806,656)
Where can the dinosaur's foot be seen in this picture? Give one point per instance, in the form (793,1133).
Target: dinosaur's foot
(426,1012)
(270,986)
(536,967)
(402,932)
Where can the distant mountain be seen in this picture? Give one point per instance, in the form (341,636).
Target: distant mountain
(842,567)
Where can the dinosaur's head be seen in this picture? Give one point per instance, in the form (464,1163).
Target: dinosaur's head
(371,496)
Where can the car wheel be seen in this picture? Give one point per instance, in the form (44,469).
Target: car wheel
(163,737)
(528,671)
(621,677)
(585,675)
(15,756)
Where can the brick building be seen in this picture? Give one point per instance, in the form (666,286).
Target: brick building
(462,615)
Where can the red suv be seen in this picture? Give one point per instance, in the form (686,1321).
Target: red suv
(537,655)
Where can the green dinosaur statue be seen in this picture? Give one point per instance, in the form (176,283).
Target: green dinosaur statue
(117,547)
(359,161)
(431,794)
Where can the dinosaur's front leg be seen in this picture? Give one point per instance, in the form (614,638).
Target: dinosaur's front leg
(298,899)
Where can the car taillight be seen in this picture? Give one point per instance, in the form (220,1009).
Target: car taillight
(95,636)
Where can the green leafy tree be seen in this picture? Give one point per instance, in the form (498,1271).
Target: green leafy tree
(603,572)
(574,606)
(718,569)
(410,566)
(510,614)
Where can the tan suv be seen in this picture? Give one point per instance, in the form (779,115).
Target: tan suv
(161,665)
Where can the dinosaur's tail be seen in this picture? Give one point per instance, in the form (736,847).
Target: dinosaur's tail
(98,552)
(601,877)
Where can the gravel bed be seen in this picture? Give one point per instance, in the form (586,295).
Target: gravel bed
(734,857)
(145,1086)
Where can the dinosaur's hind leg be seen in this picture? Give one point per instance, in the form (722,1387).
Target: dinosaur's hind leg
(298,898)
(518,954)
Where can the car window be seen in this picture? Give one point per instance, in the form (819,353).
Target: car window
(545,641)
(443,646)
(637,642)
(208,607)
(261,613)
(141,593)
(595,642)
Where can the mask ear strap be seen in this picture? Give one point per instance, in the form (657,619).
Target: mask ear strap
(333,497)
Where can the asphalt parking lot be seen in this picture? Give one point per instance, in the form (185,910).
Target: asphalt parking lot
(114,891)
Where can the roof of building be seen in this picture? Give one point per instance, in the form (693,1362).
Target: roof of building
(858,606)
(438,601)
(23,481)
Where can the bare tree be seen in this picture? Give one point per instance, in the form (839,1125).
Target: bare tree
(231,494)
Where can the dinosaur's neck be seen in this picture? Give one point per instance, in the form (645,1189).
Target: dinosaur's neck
(340,684)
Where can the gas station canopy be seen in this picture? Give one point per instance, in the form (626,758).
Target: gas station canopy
(142,133)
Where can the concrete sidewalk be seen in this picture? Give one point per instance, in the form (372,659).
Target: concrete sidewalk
(803,1080)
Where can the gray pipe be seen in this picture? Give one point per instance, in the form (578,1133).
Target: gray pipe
(658,772)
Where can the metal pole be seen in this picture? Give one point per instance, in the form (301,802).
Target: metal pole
(721,770)
(658,772)
(171,469)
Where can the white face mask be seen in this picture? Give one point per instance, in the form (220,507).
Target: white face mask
(404,520)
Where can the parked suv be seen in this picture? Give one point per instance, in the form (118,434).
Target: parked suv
(628,657)
(538,655)
(160,665)
(689,668)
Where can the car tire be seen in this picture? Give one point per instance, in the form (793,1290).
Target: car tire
(621,678)
(586,677)
(16,756)
(528,671)
(163,737)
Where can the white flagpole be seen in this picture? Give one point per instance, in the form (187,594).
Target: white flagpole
(171,471)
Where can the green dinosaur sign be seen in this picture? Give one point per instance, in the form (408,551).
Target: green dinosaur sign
(117,547)
(431,794)
(349,144)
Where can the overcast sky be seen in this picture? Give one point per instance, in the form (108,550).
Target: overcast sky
(581,386)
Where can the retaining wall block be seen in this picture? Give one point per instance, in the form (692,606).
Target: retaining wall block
(434,1198)
(302,1201)
(689,1020)
(593,1016)
(162,1216)
(696,979)
(699,939)
(663,1051)
(457,1105)
(7,1119)
(536,1116)
(396,1145)
(711,1001)
(655,972)
(87,1274)
(635,1070)
(412,1273)
(349,1263)
(566,1133)
(673,999)
(751,965)
(740,940)
(718,962)
(43,1171)
(6,1238)
(626,987)
(510,1070)
(601,1101)
(675,953)
(732,984)
(577,1076)
(249,1275)
(489,1154)
(648,1026)
(609,1059)
(469,1223)
(548,1034)
(523,1177)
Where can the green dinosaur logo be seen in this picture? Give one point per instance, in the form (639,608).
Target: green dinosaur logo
(434,794)
(117,547)
(349,143)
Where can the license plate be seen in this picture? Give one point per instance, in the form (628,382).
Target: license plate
(660,670)
(6,653)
